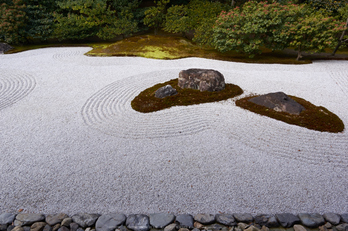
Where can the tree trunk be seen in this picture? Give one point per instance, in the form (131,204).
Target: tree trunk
(341,39)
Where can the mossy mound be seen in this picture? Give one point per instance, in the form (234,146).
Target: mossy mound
(147,102)
(314,117)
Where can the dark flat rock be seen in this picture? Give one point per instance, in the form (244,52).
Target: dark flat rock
(23,219)
(85,220)
(287,220)
(185,221)
(280,102)
(226,219)
(261,219)
(161,220)
(311,220)
(109,222)
(165,92)
(344,217)
(205,219)
(243,217)
(55,218)
(333,218)
(138,222)
(7,218)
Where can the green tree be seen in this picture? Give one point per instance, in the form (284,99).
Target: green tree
(80,19)
(198,16)
(275,26)
(329,6)
(255,25)
(155,15)
(12,22)
(39,23)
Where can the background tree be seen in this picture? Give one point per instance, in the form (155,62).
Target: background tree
(155,15)
(39,23)
(12,21)
(198,16)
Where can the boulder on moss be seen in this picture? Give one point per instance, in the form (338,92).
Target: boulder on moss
(279,102)
(165,91)
(201,79)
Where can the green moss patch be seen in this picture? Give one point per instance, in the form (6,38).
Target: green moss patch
(147,102)
(314,117)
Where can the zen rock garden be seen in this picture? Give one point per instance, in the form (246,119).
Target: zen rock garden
(170,222)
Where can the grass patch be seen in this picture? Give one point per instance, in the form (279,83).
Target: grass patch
(147,102)
(314,117)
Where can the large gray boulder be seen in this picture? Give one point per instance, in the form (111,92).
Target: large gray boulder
(280,102)
(201,79)
(85,220)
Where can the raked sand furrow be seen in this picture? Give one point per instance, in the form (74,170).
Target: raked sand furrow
(14,86)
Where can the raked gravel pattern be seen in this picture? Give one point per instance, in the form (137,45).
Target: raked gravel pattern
(70,141)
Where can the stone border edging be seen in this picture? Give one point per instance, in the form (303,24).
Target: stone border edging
(170,222)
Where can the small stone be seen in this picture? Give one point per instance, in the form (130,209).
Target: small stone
(313,220)
(38,226)
(55,218)
(26,228)
(244,217)
(264,228)
(29,218)
(185,221)
(201,79)
(63,228)
(322,228)
(242,225)
(66,222)
(184,229)
(287,220)
(344,217)
(47,228)
(342,227)
(122,228)
(252,228)
(80,229)
(216,227)
(171,227)
(272,222)
(237,228)
(299,228)
(165,91)
(3,227)
(160,220)
(333,218)
(195,229)
(328,225)
(56,227)
(138,222)
(88,229)
(205,219)
(10,227)
(7,218)
(226,219)
(85,220)
(73,226)
(261,219)
(198,225)
(18,228)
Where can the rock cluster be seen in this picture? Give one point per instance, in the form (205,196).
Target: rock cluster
(169,222)
(201,79)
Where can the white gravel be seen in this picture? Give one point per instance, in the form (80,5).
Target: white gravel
(70,142)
